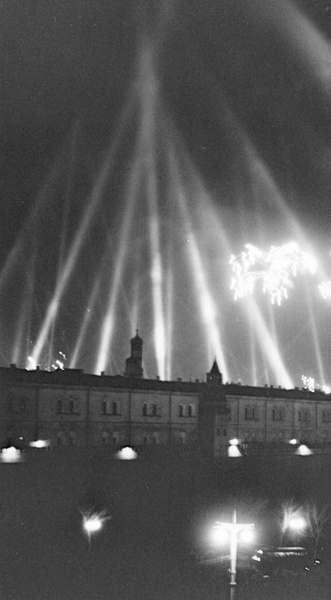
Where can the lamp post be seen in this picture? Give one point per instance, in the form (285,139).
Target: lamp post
(234,529)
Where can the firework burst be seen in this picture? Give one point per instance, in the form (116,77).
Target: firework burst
(275,269)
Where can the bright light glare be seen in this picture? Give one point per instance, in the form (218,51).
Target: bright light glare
(234,442)
(92,524)
(234,452)
(11,455)
(296,523)
(293,442)
(247,536)
(303,450)
(218,536)
(127,453)
(40,444)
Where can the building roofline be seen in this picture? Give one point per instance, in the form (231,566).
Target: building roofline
(77,377)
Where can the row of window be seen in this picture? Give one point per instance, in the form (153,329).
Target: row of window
(251,413)
(279,414)
(114,439)
(114,409)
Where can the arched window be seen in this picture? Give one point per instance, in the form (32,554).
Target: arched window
(181,410)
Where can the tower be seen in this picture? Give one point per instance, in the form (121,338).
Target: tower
(214,375)
(134,362)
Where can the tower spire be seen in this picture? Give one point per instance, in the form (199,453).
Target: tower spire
(134,362)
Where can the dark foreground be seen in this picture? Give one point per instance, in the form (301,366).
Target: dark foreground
(150,547)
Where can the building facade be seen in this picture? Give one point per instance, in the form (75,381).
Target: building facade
(72,408)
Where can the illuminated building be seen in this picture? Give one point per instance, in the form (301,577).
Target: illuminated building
(69,407)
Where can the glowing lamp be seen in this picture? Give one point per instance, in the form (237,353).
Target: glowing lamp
(247,536)
(234,452)
(11,455)
(297,523)
(303,450)
(127,453)
(39,444)
(92,524)
(218,536)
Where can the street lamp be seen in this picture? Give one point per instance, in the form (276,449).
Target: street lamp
(293,521)
(233,450)
(93,522)
(234,530)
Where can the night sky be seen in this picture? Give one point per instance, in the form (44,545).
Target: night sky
(180,131)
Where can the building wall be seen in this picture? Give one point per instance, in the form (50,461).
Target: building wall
(279,420)
(83,415)
(76,409)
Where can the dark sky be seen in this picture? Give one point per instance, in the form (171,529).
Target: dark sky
(243,84)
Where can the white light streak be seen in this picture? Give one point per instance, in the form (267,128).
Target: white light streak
(325,289)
